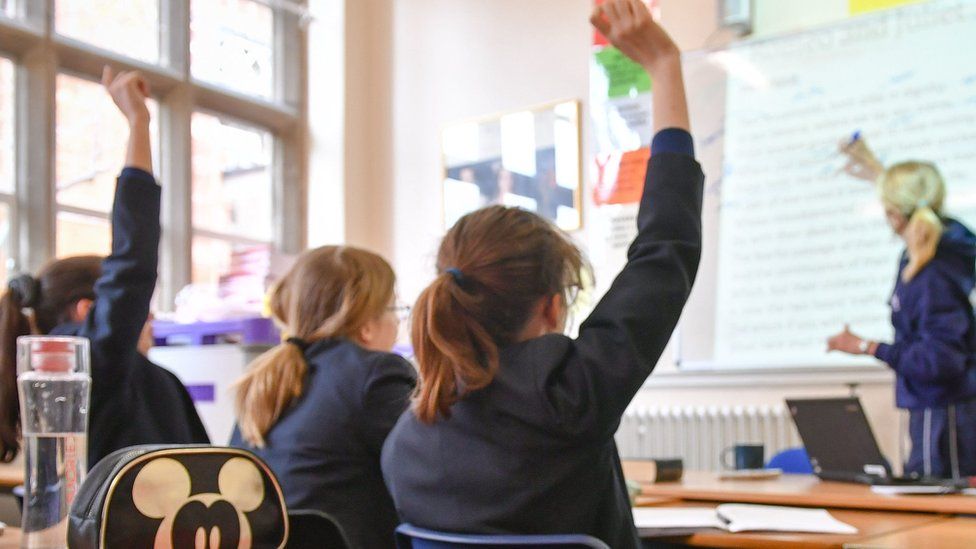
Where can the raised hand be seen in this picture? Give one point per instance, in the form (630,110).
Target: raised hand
(129,90)
(861,161)
(629,26)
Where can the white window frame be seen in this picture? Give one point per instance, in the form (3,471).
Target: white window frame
(40,54)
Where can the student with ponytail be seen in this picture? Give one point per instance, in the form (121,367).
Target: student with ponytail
(133,401)
(318,407)
(934,351)
(512,426)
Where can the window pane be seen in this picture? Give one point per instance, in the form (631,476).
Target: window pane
(232,189)
(130,27)
(4,240)
(82,235)
(6,126)
(7,8)
(91,143)
(231,43)
(211,258)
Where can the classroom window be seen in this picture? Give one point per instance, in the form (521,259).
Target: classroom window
(81,234)
(91,140)
(7,165)
(5,237)
(130,27)
(232,184)
(218,190)
(231,193)
(6,126)
(231,44)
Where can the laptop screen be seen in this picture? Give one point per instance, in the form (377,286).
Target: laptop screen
(837,437)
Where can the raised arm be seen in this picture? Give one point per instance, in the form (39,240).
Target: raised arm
(125,288)
(622,340)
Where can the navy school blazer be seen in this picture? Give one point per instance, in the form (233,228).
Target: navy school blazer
(133,401)
(325,448)
(533,452)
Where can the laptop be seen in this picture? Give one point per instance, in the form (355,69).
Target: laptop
(840,442)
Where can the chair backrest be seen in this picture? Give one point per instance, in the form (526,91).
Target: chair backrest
(793,461)
(311,529)
(411,537)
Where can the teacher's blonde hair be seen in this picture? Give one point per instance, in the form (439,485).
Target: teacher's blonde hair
(917,190)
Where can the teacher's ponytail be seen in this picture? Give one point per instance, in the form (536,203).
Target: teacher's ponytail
(917,190)
(922,239)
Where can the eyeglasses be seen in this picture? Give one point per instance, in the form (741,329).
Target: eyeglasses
(401,310)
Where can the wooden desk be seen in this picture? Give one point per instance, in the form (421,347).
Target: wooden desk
(805,491)
(952,533)
(870,525)
(10,538)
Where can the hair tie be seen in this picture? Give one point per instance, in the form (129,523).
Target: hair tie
(456,274)
(297,342)
(923,203)
(27,289)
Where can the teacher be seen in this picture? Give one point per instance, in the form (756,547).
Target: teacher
(934,351)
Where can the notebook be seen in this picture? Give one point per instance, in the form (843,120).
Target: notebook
(740,517)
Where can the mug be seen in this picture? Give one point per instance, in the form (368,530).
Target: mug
(747,456)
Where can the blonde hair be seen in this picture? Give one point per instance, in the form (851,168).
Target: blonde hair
(330,292)
(917,190)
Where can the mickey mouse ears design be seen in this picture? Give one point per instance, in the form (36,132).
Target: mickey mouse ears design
(165,496)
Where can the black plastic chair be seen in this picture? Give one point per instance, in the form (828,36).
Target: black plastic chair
(310,529)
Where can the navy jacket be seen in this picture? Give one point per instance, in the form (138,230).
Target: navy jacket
(934,352)
(533,452)
(325,449)
(133,401)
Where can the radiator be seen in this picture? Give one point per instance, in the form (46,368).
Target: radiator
(699,434)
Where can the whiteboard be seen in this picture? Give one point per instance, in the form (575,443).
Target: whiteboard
(793,247)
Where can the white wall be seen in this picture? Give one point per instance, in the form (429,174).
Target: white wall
(446,60)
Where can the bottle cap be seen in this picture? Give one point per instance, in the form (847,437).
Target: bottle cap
(52,355)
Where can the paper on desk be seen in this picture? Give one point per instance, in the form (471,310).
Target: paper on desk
(918,490)
(677,517)
(746,518)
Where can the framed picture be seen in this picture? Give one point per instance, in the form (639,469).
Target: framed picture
(528,158)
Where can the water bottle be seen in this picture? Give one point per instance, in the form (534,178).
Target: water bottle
(54,384)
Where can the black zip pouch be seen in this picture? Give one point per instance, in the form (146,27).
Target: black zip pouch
(158,496)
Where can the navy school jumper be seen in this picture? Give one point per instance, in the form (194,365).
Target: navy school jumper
(133,401)
(533,452)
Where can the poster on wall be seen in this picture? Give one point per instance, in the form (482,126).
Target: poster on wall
(528,158)
(620,115)
(857,7)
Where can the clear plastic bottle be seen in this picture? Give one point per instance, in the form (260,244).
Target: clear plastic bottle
(54,384)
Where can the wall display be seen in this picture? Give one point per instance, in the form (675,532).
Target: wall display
(528,158)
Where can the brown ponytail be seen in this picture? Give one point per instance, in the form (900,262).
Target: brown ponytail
(330,292)
(494,265)
(13,324)
(51,297)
